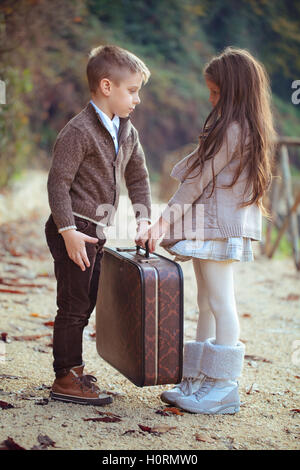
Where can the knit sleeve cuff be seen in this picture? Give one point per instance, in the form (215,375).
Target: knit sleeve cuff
(67,228)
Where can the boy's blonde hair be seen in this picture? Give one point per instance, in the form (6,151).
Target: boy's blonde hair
(111,62)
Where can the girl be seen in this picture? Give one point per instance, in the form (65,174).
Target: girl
(224,180)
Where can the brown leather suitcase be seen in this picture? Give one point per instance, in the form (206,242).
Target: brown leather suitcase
(139,315)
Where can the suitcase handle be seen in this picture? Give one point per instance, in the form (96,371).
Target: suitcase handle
(137,249)
(146,249)
(146,259)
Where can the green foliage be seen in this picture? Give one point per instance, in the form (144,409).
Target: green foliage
(15,143)
(44,49)
(270,30)
(288,116)
(162,30)
(284,249)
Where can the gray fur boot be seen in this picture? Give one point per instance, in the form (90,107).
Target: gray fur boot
(192,377)
(218,393)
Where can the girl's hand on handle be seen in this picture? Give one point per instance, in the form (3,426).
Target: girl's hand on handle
(75,246)
(153,234)
(141,233)
(142,236)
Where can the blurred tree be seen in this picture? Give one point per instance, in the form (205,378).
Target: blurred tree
(44,49)
(165,30)
(38,39)
(270,30)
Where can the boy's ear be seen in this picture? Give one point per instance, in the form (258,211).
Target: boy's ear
(105,86)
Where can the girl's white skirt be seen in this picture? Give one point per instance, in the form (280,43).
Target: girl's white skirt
(221,249)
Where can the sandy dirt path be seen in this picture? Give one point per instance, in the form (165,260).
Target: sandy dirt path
(268,301)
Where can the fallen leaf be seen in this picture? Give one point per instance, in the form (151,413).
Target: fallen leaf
(162,428)
(157,430)
(203,438)
(29,397)
(29,337)
(162,413)
(13,252)
(229,443)
(42,401)
(93,334)
(17,264)
(15,283)
(253,388)
(108,413)
(32,285)
(43,387)
(10,444)
(130,431)
(257,358)
(41,350)
(295,410)
(291,297)
(246,315)
(105,419)
(11,291)
(49,323)
(5,376)
(45,441)
(5,406)
(174,411)
(145,428)
(3,337)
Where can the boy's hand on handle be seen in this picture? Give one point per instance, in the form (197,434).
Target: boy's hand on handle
(75,246)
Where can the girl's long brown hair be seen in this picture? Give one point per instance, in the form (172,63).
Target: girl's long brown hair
(245,97)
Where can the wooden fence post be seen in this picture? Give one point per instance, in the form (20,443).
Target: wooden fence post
(287,182)
(284,226)
(273,206)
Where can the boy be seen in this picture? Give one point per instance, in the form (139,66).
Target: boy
(91,154)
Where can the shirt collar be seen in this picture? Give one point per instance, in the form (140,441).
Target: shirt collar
(109,123)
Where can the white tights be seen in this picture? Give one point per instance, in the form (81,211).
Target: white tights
(218,316)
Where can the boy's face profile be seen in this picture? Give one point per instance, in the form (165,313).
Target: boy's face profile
(121,98)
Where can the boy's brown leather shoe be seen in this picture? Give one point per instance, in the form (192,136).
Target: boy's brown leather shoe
(76,387)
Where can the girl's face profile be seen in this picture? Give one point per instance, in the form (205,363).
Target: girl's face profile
(214,90)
